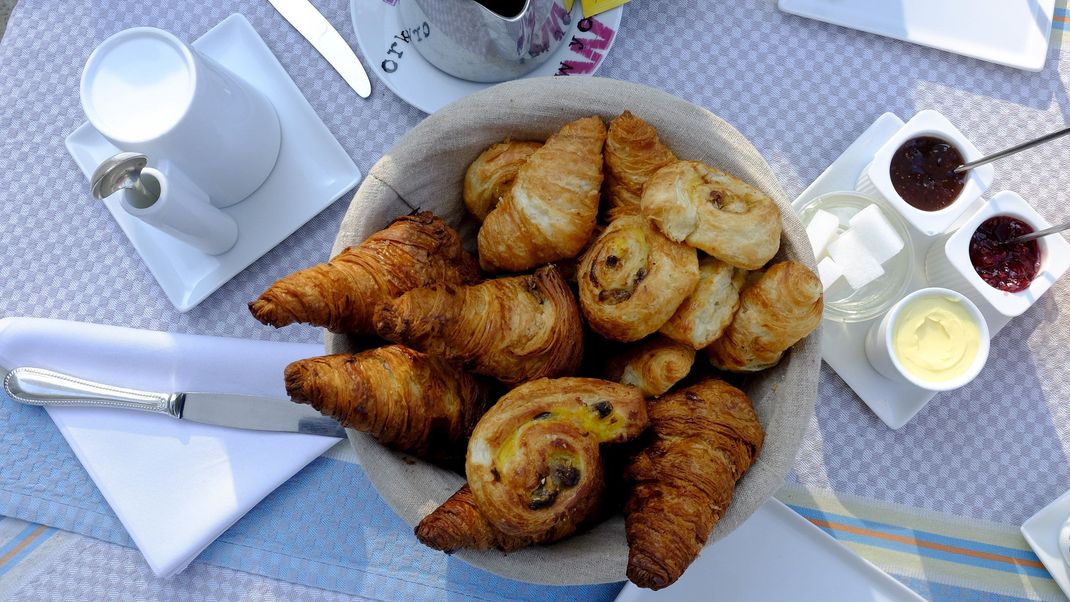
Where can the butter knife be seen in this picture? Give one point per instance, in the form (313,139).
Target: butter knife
(326,40)
(39,387)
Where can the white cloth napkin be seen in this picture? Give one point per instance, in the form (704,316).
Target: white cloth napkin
(175,485)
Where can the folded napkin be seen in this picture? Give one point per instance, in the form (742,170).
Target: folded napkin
(174,485)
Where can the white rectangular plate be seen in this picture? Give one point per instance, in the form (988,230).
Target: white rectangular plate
(1013,33)
(313,171)
(843,344)
(777,555)
(1041,532)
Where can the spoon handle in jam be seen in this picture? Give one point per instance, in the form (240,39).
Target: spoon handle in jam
(1012,150)
(1038,234)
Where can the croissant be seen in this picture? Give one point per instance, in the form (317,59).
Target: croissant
(778,309)
(715,212)
(534,463)
(409,401)
(550,211)
(457,524)
(492,173)
(633,153)
(653,365)
(632,278)
(342,295)
(703,317)
(705,438)
(514,329)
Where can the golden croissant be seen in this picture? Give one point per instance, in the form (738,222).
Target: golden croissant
(406,400)
(492,173)
(534,462)
(779,308)
(457,524)
(632,278)
(704,438)
(514,329)
(703,317)
(342,294)
(652,365)
(715,212)
(633,153)
(549,212)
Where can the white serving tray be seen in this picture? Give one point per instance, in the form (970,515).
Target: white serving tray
(1042,530)
(777,555)
(843,343)
(1013,33)
(313,171)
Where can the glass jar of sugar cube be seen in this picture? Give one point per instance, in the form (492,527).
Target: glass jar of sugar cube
(863,253)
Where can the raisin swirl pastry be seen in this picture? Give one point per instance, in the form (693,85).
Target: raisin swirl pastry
(492,173)
(632,278)
(534,463)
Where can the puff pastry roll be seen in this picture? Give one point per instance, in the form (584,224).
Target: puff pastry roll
(632,278)
(633,153)
(652,365)
(713,211)
(408,401)
(705,438)
(457,524)
(534,463)
(342,294)
(514,329)
(703,316)
(549,212)
(779,308)
(492,173)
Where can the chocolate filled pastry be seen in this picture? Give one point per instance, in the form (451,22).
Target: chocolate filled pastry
(702,318)
(492,173)
(342,294)
(779,308)
(514,329)
(457,524)
(633,153)
(652,365)
(704,438)
(713,211)
(534,463)
(549,212)
(632,278)
(406,400)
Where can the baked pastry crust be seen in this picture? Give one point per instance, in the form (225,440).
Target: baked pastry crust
(457,524)
(652,365)
(549,212)
(492,173)
(633,153)
(779,308)
(702,317)
(713,211)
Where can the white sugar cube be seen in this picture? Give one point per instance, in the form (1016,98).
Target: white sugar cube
(821,230)
(877,233)
(829,271)
(854,257)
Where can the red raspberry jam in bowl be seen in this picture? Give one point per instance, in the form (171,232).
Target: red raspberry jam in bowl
(1007,267)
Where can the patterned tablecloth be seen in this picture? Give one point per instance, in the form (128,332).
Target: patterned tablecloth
(989,455)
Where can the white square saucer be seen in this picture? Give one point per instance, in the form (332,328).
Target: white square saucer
(313,171)
(1042,532)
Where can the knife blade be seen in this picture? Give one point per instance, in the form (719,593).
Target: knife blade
(36,386)
(326,40)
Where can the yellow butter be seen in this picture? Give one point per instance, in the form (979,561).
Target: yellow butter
(935,338)
(593,7)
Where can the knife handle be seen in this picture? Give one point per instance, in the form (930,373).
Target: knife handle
(39,387)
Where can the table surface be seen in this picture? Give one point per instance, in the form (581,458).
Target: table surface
(801,91)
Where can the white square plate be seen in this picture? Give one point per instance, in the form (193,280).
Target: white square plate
(313,171)
(1041,532)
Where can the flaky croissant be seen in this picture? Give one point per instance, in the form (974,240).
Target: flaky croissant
(457,524)
(633,153)
(632,278)
(713,211)
(705,438)
(514,329)
(549,212)
(534,463)
(779,308)
(652,365)
(492,173)
(342,294)
(702,318)
(407,400)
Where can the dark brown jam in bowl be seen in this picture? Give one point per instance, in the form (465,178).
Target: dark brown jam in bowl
(1010,268)
(923,173)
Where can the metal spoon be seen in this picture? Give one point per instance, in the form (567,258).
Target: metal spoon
(1035,235)
(122,172)
(1012,150)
